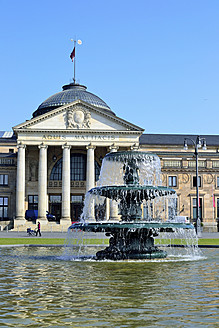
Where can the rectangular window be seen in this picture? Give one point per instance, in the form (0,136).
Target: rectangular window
(172,181)
(55,198)
(76,199)
(194,208)
(217,182)
(3,179)
(33,202)
(194,181)
(3,207)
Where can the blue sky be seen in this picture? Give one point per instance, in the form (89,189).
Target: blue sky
(154,62)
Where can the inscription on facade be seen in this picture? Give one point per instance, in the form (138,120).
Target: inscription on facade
(81,137)
(53,137)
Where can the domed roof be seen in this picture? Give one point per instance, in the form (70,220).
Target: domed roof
(70,93)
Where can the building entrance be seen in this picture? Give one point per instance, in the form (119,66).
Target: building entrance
(55,206)
(76,207)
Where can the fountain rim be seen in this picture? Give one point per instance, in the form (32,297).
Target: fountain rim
(133,187)
(105,225)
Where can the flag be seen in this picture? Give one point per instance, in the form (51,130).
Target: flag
(72,56)
(213,201)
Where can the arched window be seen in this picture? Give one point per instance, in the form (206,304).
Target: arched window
(77,167)
(56,173)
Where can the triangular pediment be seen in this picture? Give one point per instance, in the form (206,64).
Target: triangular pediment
(77,116)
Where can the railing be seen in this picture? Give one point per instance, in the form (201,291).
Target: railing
(7,161)
(74,184)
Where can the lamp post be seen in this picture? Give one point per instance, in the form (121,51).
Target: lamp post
(198,143)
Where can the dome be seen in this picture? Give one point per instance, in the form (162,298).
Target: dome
(70,93)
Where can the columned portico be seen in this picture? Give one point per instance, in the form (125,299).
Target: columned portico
(74,126)
(66,183)
(20,191)
(42,182)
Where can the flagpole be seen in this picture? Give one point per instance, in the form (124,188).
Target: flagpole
(72,56)
(74,60)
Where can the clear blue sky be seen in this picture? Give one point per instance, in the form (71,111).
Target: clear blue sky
(154,62)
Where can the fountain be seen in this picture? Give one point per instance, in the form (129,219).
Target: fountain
(132,179)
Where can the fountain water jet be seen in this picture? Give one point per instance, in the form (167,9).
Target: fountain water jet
(132,237)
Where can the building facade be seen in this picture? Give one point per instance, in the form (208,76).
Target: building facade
(50,161)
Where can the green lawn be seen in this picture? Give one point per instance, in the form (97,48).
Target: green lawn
(47,241)
(202,241)
(93,241)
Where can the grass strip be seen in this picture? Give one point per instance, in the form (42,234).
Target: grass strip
(93,241)
(50,241)
(202,241)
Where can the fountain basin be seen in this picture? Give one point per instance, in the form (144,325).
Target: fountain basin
(130,240)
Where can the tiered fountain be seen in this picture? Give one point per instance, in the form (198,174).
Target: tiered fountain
(132,236)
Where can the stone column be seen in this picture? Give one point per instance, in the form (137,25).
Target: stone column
(66,183)
(20,190)
(42,182)
(90,178)
(113,205)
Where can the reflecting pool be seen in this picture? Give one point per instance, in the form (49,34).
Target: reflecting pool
(45,287)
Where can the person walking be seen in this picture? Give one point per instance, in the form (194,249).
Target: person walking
(38,229)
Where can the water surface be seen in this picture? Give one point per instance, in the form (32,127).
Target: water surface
(45,287)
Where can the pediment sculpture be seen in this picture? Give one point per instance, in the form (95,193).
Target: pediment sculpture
(78,118)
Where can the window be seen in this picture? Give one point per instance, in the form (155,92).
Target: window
(194,207)
(77,166)
(3,207)
(172,181)
(217,182)
(32,202)
(11,150)
(3,179)
(77,199)
(194,181)
(55,198)
(56,173)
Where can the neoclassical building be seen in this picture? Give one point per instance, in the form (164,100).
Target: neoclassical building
(49,162)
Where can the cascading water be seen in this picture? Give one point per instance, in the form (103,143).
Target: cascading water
(132,181)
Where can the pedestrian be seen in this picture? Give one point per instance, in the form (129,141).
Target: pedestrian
(38,229)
